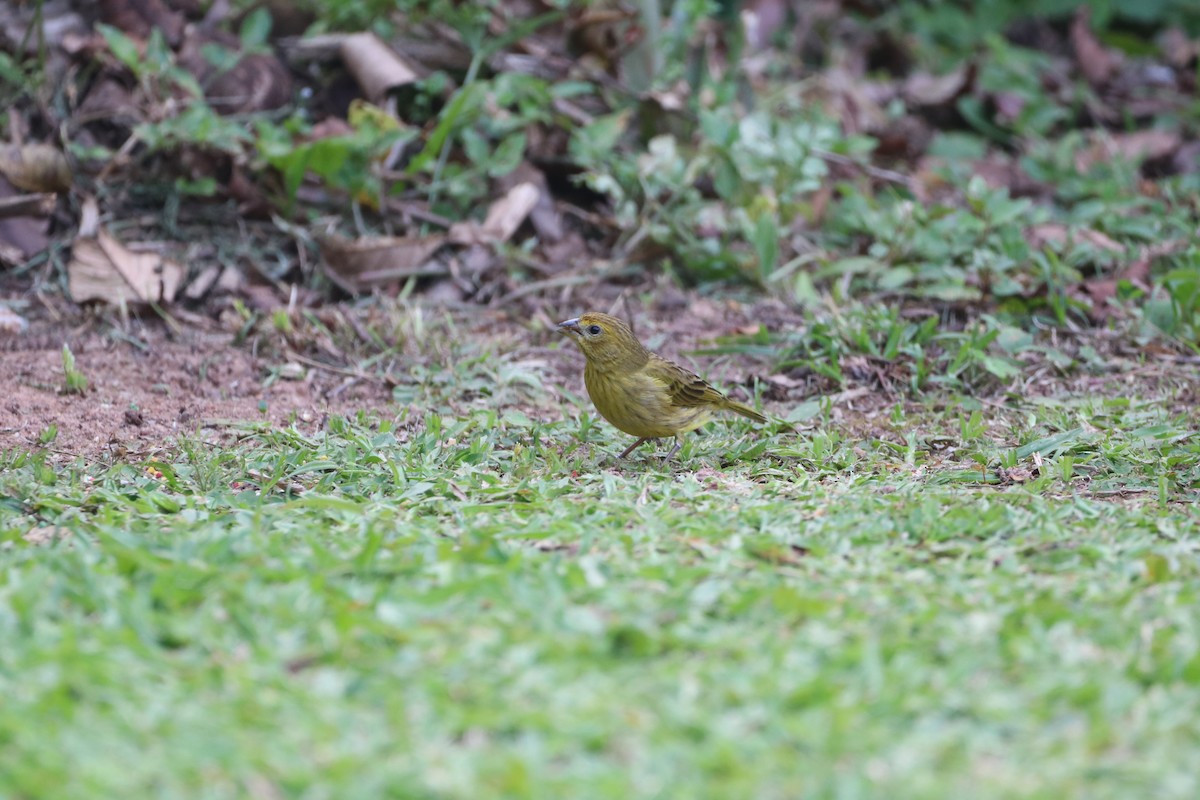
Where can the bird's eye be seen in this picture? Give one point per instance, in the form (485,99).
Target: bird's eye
(594,330)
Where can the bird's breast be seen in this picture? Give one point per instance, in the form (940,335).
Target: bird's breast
(639,404)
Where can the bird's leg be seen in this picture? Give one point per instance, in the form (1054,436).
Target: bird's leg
(634,446)
(675,449)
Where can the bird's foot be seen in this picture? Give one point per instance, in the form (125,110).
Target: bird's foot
(634,446)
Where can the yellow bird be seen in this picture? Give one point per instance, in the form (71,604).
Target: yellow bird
(639,392)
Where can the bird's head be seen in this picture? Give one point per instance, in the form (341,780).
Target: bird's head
(605,341)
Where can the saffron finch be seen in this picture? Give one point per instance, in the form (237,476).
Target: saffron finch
(641,393)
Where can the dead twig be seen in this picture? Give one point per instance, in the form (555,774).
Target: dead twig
(875,172)
(28,205)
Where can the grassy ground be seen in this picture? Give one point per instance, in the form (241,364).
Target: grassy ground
(967,568)
(462,602)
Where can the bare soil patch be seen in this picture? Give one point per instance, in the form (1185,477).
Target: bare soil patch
(139,400)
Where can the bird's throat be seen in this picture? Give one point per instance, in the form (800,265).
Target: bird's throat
(617,360)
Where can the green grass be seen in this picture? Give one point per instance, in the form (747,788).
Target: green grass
(480,605)
(987,590)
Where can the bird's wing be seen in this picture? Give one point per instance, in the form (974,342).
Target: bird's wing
(684,387)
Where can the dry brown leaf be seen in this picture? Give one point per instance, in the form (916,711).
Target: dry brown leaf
(784,381)
(140,18)
(1095,62)
(376,66)
(261,297)
(663,113)
(329,128)
(259,82)
(905,137)
(857,103)
(923,89)
(104,269)
(38,29)
(568,250)
(256,82)
(545,217)
(762,19)
(1178,49)
(248,191)
(203,283)
(358,264)
(46,534)
(1009,106)
(600,32)
(1101,290)
(1186,160)
(999,170)
(1136,147)
(24,229)
(108,100)
(231,281)
(1010,475)
(930,179)
(504,217)
(35,168)
(11,322)
(818,205)
(1056,233)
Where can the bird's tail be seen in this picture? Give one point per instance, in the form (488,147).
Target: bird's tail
(744,410)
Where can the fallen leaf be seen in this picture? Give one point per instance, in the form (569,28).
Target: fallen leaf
(251,82)
(1178,49)
(600,35)
(545,217)
(358,264)
(1014,475)
(330,127)
(24,229)
(139,19)
(503,219)
(1185,160)
(107,100)
(1000,170)
(203,283)
(247,191)
(1058,234)
(46,534)
(35,167)
(258,82)
(858,104)
(1134,147)
(231,281)
(784,381)
(903,138)
(102,268)
(924,89)
(261,297)
(1009,106)
(1095,62)
(292,371)
(1101,290)
(11,322)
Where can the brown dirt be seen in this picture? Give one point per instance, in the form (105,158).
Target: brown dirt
(138,401)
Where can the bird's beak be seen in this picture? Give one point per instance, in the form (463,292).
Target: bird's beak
(570,327)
